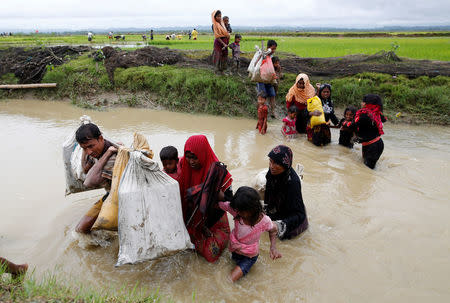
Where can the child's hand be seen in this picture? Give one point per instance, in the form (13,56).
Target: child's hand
(318,85)
(274,254)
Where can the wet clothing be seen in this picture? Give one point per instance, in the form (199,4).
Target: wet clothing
(263,112)
(288,128)
(244,262)
(209,231)
(372,152)
(346,133)
(368,125)
(107,169)
(327,105)
(283,196)
(244,239)
(298,97)
(319,135)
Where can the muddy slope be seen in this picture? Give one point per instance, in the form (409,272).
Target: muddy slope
(30,65)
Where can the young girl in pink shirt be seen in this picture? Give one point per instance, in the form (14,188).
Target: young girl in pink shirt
(249,223)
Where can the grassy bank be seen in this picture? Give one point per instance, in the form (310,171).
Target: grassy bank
(431,48)
(51,288)
(199,90)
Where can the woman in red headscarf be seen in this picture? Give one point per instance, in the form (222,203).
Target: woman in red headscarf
(209,236)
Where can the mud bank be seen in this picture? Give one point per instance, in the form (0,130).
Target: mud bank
(184,81)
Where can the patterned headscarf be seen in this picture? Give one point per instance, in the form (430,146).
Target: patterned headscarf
(282,155)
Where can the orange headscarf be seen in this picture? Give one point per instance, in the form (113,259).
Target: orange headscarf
(219,28)
(301,95)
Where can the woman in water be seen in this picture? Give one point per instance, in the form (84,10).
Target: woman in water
(298,94)
(209,236)
(283,196)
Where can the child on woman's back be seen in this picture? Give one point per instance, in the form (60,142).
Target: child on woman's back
(288,128)
(347,131)
(169,159)
(249,223)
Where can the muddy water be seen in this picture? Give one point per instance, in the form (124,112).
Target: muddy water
(375,236)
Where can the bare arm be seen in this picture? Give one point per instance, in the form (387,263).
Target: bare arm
(86,164)
(274,254)
(94,176)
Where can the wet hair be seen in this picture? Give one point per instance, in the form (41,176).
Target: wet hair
(275,59)
(292,109)
(237,36)
(87,132)
(373,99)
(351,109)
(271,43)
(168,153)
(218,12)
(247,199)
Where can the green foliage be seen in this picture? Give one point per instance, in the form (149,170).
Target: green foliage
(425,97)
(191,90)
(51,288)
(9,78)
(432,47)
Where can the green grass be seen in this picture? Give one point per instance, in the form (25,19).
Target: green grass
(433,48)
(53,288)
(423,99)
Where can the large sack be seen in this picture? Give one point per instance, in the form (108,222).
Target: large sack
(107,218)
(313,104)
(257,58)
(72,153)
(150,216)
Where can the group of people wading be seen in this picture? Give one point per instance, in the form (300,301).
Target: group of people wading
(364,126)
(202,177)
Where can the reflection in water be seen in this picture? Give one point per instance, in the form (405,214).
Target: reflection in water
(380,235)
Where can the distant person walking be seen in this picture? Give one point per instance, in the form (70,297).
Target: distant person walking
(90,36)
(194,34)
(222,38)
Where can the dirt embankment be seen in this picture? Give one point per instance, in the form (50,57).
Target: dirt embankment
(30,65)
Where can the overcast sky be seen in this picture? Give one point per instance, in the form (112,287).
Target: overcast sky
(101,14)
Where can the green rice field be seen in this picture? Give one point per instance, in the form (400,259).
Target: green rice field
(431,48)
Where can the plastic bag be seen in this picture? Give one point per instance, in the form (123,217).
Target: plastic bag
(255,64)
(150,216)
(72,153)
(267,71)
(107,218)
(260,179)
(313,104)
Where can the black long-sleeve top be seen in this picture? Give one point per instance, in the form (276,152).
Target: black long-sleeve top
(284,200)
(328,109)
(366,128)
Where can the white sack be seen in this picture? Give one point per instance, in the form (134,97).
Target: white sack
(259,182)
(150,216)
(72,153)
